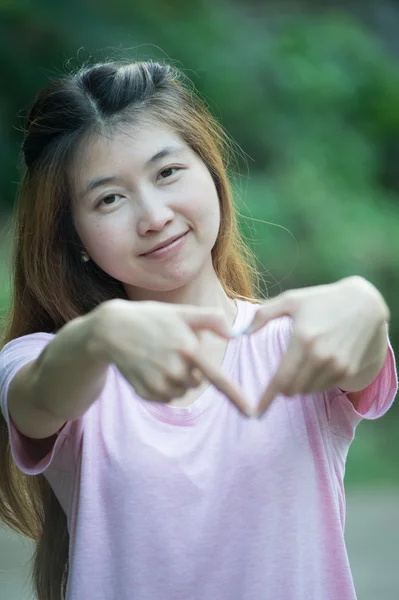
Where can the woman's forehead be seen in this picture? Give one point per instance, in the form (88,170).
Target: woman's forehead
(105,154)
(140,142)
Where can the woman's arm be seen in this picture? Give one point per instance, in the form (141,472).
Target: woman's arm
(61,384)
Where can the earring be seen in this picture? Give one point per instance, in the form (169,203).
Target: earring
(84,257)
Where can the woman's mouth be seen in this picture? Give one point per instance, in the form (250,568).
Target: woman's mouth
(169,249)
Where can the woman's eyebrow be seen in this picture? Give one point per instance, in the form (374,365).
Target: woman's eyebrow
(165,152)
(99,181)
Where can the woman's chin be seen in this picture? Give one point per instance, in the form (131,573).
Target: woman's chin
(164,284)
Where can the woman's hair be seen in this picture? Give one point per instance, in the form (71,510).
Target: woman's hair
(51,284)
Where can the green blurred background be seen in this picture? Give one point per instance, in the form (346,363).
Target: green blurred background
(309,90)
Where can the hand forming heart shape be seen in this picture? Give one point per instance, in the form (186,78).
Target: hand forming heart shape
(339,337)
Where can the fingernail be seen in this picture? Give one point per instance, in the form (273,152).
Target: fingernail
(250,413)
(240,332)
(247,330)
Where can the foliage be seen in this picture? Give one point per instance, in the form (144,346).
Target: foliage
(311,99)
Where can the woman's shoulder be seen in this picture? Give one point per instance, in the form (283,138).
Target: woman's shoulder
(21,350)
(27,341)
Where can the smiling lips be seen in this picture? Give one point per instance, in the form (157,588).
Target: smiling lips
(164,244)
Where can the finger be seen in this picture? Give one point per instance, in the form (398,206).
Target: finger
(192,380)
(211,319)
(284,378)
(173,392)
(180,371)
(305,378)
(322,383)
(178,388)
(167,393)
(317,377)
(222,383)
(149,394)
(165,388)
(197,378)
(280,306)
(268,396)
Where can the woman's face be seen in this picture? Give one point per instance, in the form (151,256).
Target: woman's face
(135,190)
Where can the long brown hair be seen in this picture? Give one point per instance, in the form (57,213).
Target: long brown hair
(51,285)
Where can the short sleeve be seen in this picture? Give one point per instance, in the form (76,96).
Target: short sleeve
(31,456)
(376,399)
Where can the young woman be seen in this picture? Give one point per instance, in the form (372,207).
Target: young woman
(138,365)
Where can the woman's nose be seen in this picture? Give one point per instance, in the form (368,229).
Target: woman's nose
(154,214)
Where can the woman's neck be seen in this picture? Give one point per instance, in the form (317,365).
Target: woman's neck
(204,291)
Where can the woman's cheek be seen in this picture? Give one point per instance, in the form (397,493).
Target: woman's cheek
(109,239)
(205,205)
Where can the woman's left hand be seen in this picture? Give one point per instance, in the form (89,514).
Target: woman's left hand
(333,337)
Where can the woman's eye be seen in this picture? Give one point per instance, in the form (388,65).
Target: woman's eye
(108,200)
(168,172)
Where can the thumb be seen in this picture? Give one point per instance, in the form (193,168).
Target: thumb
(211,319)
(272,309)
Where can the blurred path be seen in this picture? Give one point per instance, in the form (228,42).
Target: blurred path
(372,532)
(372,537)
(14,554)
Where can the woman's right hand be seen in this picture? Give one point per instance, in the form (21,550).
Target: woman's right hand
(156,348)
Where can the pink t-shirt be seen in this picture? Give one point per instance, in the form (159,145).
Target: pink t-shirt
(200,502)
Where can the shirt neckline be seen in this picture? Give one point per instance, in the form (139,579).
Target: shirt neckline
(184,414)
